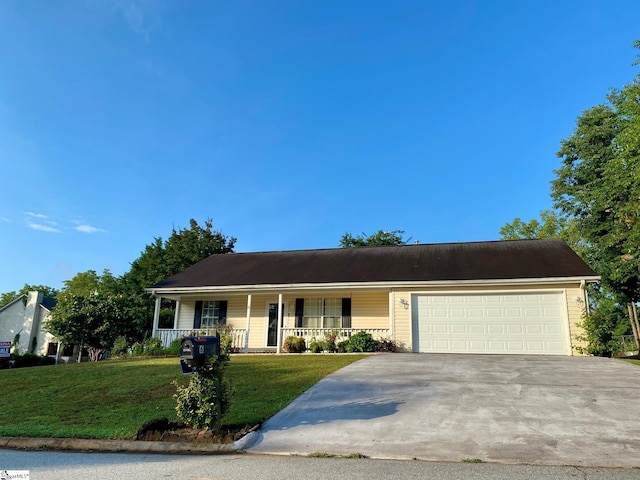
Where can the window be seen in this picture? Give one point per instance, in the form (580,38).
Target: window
(322,313)
(67,351)
(52,348)
(210,313)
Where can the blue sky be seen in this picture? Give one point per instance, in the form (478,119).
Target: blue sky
(288,123)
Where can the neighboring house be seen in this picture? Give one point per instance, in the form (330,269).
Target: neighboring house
(24,319)
(516,297)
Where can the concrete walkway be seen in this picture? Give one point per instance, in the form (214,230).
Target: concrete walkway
(495,408)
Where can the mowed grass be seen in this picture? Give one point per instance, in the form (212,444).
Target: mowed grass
(113,398)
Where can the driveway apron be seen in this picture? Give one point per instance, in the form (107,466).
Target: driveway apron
(496,408)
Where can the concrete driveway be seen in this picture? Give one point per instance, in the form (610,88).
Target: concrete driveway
(495,408)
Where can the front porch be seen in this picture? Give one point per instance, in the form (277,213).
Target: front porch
(261,322)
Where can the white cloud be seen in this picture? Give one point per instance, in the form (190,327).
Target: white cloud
(88,229)
(35,215)
(5,219)
(42,228)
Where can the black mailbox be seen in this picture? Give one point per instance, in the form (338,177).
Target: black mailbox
(195,350)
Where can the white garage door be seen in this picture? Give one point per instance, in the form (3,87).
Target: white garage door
(527,323)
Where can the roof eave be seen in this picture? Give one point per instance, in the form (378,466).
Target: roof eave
(240,289)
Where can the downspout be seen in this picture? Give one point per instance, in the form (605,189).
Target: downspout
(585,297)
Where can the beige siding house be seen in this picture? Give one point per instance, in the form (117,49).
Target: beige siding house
(515,297)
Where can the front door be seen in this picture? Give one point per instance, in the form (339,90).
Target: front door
(272,331)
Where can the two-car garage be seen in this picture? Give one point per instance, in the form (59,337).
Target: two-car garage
(503,322)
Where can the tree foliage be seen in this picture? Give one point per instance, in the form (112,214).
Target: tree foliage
(92,312)
(184,247)
(8,297)
(380,238)
(598,184)
(552,224)
(607,321)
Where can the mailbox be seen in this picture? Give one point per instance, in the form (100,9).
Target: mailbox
(196,350)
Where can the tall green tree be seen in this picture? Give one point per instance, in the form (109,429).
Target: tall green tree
(184,247)
(379,238)
(163,258)
(598,184)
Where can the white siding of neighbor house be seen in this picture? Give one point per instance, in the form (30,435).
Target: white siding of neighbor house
(29,321)
(11,321)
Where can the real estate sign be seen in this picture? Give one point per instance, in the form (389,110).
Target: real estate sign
(5,349)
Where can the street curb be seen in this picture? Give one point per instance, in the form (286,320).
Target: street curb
(121,446)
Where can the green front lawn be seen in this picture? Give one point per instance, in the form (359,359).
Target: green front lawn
(112,399)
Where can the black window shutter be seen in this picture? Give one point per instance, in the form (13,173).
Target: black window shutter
(346,313)
(222,312)
(299,311)
(197,316)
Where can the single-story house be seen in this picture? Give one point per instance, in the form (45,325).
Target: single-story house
(23,320)
(515,297)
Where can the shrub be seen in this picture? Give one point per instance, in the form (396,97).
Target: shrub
(207,397)
(174,347)
(29,360)
(329,343)
(386,345)
(294,345)
(361,342)
(153,346)
(120,346)
(315,346)
(137,349)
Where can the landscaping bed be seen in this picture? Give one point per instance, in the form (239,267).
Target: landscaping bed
(163,430)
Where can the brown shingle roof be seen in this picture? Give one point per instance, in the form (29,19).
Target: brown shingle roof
(514,259)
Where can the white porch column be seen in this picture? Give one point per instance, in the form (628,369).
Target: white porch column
(279,340)
(175,317)
(391,310)
(246,335)
(156,317)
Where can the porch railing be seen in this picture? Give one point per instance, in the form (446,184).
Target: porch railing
(238,336)
(340,334)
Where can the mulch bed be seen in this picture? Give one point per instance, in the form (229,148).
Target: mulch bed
(162,430)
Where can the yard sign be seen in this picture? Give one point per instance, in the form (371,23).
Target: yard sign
(5,349)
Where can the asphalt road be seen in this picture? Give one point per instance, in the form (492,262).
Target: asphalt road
(80,466)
